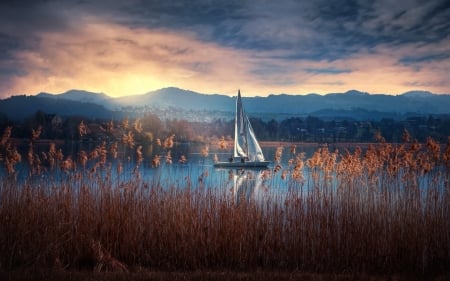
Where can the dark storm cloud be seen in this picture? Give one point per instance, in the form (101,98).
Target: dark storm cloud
(327,70)
(410,60)
(307,29)
(8,44)
(21,23)
(23,19)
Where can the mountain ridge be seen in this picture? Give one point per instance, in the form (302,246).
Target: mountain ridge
(20,107)
(175,99)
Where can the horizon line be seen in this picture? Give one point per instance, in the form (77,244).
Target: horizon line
(225,94)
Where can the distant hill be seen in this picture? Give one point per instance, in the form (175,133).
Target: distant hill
(188,100)
(178,98)
(82,96)
(418,102)
(418,94)
(20,107)
(352,104)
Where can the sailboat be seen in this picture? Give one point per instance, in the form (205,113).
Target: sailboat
(247,151)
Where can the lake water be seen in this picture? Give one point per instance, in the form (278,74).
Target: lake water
(196,172)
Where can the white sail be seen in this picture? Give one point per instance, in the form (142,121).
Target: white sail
(245,143)
(247,152)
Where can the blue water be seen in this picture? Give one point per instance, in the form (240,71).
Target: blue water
(196,172)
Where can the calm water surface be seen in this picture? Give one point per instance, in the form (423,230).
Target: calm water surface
(197,171)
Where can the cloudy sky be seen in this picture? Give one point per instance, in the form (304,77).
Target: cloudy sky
(262,47)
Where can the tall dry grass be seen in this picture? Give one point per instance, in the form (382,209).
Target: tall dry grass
(382,210)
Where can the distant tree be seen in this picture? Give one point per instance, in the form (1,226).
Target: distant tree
(351,130)
(443,130)
(70,127)
(387,127)
(273,129)
(365,132)
(4,121)
(181,128)
(313,123)
(291,128)
(40,118)
(152,123)
(259,126)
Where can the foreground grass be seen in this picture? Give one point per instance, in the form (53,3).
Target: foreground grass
(382,213)
(112,229)
(207,276)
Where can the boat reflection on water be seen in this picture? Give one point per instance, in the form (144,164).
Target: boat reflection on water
(249,184)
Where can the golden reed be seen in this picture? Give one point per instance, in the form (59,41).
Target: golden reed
(384,209)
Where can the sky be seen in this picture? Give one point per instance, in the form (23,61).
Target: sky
(261,47)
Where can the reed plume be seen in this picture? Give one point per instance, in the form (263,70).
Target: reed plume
(278,154)
(125,123)
(182,159)
(139,156)
(34,161)
(406,137)
(12,157)
(137,125)
(446,155)
(156,161)
(297,170)
(82,129)
(293,149)
(204,151)
(110,126)
(53,155)
(35,134)
(223,145)
(68,164)
(114,149)
(83,158)
(5,136)
(169,141)
(128,139)
(379,138)
(169,157)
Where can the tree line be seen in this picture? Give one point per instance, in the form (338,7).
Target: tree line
(294,129)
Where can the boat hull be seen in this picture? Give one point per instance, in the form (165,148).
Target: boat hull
(247,164)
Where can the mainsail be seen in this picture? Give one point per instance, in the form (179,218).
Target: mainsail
(245,143)
(247,152)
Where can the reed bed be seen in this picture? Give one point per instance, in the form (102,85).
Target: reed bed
(382,210)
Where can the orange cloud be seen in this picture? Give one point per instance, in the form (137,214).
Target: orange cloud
(121,61)
(374,71)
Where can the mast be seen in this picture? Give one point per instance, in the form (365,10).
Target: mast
(236,133)
(240,130)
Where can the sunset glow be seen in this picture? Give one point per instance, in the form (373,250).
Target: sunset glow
(120,50)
